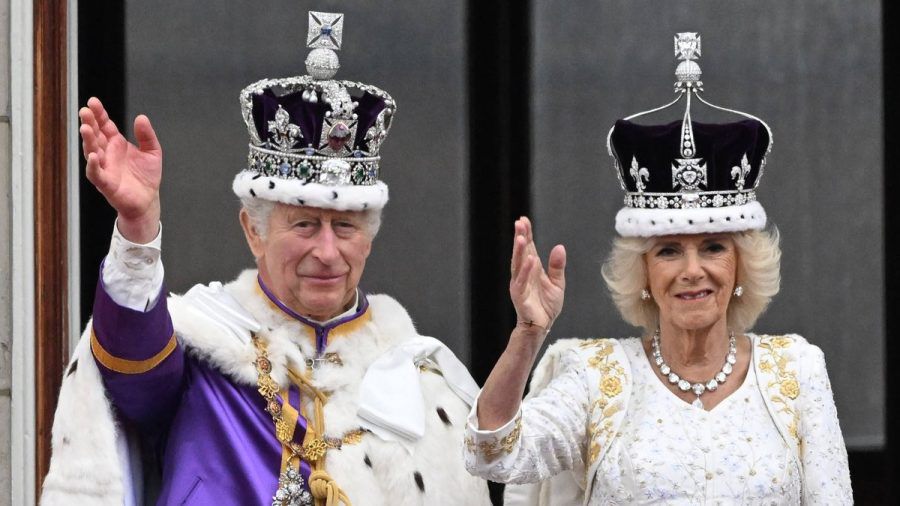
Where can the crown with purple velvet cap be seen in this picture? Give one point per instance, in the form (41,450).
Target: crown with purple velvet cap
(314,140)
(687,177)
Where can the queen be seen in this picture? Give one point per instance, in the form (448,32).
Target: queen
(699,409)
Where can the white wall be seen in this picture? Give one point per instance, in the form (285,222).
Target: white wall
(5,258)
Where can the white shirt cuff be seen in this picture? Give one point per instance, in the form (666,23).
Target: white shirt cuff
(133,273)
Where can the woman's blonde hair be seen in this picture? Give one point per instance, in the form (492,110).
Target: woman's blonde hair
(758,272)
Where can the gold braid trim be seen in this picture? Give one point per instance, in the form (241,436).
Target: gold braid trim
(325,490)
(126,366)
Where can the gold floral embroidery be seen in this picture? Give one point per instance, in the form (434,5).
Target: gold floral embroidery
(790,388)
(611,386)
(774,361)
(490,449)
(606,405)
(781,342)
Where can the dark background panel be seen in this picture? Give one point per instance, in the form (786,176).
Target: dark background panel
(101,73)
(883,465)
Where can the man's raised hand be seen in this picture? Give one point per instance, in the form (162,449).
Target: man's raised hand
(127,175)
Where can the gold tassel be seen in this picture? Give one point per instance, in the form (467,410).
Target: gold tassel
(325,490)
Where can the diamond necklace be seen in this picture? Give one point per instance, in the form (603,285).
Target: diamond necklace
(698,388)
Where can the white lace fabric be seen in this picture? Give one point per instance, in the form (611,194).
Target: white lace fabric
(668,451)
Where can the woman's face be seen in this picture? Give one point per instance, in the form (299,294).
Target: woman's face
(691,278)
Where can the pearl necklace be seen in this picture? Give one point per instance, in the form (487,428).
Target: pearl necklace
(698,388)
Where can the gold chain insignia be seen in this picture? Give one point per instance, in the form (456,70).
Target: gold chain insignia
(268,388)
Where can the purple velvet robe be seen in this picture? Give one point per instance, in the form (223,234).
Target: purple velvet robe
(220,446)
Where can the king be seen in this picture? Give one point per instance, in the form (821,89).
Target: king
(288,385)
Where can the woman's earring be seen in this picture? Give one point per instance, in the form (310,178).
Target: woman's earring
(738,291)
(645,294)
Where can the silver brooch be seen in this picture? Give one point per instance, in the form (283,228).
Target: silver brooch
(291,490)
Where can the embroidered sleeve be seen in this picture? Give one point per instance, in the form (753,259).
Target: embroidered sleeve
(546,437)
(822,451)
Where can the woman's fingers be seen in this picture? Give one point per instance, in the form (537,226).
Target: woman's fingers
(524,273)
(556,266)
(528,229)
(518,249)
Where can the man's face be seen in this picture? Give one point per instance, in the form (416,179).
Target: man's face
(311,258)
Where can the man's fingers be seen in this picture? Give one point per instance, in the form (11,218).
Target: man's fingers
(95,173)
(88,140)
(106,125)
(87,117)
(145,135)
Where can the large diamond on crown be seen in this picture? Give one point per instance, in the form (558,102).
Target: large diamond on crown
(335,173)
(337,137)
(689,174)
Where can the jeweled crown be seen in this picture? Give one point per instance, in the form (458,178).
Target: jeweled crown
(688,165)
(313,129)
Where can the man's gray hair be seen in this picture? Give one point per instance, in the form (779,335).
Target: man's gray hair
(259,211)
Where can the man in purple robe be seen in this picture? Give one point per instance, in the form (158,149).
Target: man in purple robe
(288,385)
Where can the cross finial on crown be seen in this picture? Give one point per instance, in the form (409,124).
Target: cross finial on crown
(687,45)
(325,30)
(687,74)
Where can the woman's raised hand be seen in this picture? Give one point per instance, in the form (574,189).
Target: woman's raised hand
(128,175)
(537,294)
(538,297)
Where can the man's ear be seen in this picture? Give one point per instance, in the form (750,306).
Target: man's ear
(254,239)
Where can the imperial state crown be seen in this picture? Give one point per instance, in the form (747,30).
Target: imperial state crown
(315,140)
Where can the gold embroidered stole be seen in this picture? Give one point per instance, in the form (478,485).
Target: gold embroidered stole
(775,360)
(609,381)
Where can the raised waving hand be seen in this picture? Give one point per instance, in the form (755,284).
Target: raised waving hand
(537,294)
(127,174)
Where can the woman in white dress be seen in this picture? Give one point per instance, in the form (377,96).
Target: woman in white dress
(699,410)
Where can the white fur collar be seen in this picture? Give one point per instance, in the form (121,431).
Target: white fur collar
(289,341)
